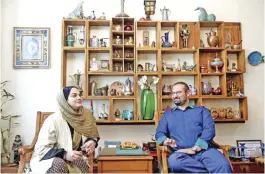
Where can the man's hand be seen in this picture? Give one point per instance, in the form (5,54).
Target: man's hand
(170,142)
(187,151)
(196,149)
(89,146)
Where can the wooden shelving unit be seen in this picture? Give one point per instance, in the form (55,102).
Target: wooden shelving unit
(136,53)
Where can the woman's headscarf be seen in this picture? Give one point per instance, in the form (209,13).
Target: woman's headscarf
(82,121)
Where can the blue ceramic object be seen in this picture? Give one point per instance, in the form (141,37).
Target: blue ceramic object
(204,15)
(255,58)
(127,114)
(262,149)
(165,41)
(242,150)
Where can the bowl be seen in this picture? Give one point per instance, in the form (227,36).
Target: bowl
(235,46)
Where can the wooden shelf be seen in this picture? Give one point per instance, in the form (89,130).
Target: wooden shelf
(147,49)
(234,72)
(111,73)
(147,73)
(234,50)
(128,33)
(212,74)
(187,73)
(99,49)
(230,121)
(117,59)
(117,32)
(74,21)
(129,59)
(168,23)
(126,122)
(147,23)
(74,49)
(211,49)
(110,97)
(210,23)
(128,46)
(167,97)
(213,96)
(117,46)
(176,50)
(99,22)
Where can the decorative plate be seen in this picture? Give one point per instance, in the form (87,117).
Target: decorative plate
(118,87)
(255,58)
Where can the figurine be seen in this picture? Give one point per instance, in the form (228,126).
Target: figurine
(184,66)
(94,66)
(193,90)
(129,68)
(77,13)
(153,44)
(185,35)
(204,16)
(102,17)
(16,144)
(233,67)
(117,114)
(174,44)
(201,43)
(103,114)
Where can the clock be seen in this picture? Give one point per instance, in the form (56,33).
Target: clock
(146,38)
(104,65)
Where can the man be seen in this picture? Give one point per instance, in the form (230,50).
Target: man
(189,131)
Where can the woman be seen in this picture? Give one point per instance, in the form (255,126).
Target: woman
(63,134)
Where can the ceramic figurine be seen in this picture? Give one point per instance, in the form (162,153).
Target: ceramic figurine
(78,12)
(153,44)
(204,16)
(201,43)
(233,67)
(16,144)
(94,66)
(102,17)
(185,35)
(193,90)
(212,38)
(118,40)
(117,114)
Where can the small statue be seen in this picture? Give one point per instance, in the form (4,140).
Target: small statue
(117,114)
(128,88)
(94,66)
(185,35)
(193,90)
(153,44)
(77,13)
(233,67)
(201,43)
(102,17)
(179,66)
(184,66)
(204,16)
(16,144)
(129,68)
(92,16)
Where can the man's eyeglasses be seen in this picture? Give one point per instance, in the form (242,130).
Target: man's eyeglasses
(175,93)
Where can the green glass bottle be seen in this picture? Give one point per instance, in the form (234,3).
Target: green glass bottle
(70,38)
(147,104)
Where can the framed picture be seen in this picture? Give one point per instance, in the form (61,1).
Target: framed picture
(252,147)
(31,47)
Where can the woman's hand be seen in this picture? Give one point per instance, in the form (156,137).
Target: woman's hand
(89,146)
(72,155)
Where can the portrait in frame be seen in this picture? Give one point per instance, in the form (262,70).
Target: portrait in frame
(31,47)
(252,147)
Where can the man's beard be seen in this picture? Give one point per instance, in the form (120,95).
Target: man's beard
(179,102)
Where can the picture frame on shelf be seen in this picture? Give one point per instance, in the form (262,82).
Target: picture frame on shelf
(31,48)
(252,147)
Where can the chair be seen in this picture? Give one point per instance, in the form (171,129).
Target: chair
(27,151)
(163,151)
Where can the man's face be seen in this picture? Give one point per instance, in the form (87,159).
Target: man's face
(179,95)
(74,99)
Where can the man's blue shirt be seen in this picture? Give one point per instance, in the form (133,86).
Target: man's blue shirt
(189,127)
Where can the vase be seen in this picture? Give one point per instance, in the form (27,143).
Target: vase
(147,104)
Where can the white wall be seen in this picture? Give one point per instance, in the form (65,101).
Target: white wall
(35,89)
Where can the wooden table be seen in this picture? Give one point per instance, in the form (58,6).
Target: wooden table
(8,169)
(247,167)
(111,163)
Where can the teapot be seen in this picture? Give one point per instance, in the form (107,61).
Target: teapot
(212,39)
(165,13)
(166,90)
(165,40)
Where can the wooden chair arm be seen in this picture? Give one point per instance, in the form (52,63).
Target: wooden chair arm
(25,156)
(164,149)
(25,149)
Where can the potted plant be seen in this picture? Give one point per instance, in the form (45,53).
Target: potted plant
(147,97)
(6,97)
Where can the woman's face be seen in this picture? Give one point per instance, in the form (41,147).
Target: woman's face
(75,99)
